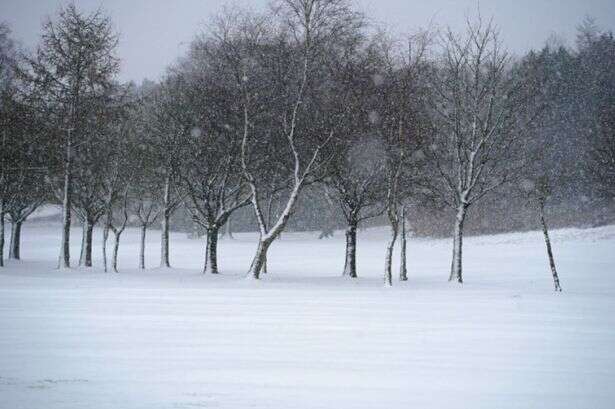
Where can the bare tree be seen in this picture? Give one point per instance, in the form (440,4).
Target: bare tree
(7,102)
(479,120)
(539,191)
(209,176)
(167,123)
(72,67)
(30,195)
(121,167)
(146,209)
(22,145)
(402,125)
(356,178)
(307,26)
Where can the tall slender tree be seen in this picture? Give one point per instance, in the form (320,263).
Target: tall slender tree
(480,114)
(71,70)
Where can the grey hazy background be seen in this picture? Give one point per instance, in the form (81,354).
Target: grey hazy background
(155,32)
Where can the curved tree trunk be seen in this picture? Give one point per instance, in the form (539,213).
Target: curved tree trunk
(545,232)
(350,265)
(211,259)
(260,259)
(142,247)
(15,244)
(456,264)
(403,271)
(388,259)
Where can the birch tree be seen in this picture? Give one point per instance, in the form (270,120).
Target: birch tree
(119,177)
(539,191)
(401,121)
(307,25)
(480,115)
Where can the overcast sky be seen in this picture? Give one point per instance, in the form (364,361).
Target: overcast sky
(154,32)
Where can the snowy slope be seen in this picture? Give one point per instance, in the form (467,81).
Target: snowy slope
(305,337)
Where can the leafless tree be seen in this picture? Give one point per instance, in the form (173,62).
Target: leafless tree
(71,69)
(538,192)
(356,178)
(167,124)
(307,26)
(402,125)
(480,114)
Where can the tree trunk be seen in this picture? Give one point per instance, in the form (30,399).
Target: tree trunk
(142,247)
(83,234)
(545,232)
(350,265)
(456,264)
(164,245)
(1,234)
(15,244)
(260,259)
(116,247)
(104,246)
(403,271)
(211,259)
(64,259)
(88,243)
(166,215)
(388,259)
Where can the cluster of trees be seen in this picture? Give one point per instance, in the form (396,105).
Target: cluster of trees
(268,112)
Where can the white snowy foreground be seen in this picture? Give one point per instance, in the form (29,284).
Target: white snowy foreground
(305,337)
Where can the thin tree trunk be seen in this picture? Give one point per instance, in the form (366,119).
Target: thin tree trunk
(350,265)
(83,234)
(15,244)
(545,232)
(142,247)
(164,245)
(403,271)
(116,247)
(88,243)
(260,259)
(64,259)
(456,264)
(104,245)
(164,241)
(211,260)
(388,259)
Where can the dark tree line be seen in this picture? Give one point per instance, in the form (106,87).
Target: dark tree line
(301,109)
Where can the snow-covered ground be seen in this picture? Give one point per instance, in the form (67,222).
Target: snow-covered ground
(305,337)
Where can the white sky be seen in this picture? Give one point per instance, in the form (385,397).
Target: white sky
(155,32)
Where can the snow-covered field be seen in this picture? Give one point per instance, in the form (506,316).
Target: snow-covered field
(305,337)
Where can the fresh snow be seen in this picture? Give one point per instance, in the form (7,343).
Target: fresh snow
(304,337)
